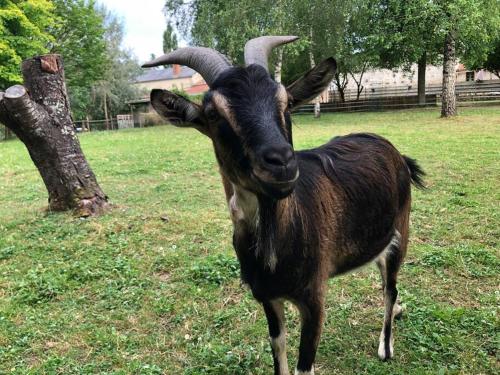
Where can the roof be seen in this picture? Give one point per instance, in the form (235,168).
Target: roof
(197,89)
(164,74)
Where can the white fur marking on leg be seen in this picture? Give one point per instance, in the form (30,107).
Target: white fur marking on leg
(397,310)
(396,239)
(298,372)
(279,347)
(381,347)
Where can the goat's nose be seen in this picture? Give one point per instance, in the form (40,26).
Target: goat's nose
(278,156)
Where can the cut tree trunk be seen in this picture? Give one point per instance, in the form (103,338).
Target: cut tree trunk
(422,64)
(448,102)
(42,121)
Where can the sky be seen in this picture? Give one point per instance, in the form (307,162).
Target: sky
(144,24)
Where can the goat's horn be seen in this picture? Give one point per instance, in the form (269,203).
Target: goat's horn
(257,50)
(206,61)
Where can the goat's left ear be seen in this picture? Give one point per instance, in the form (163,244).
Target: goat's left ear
(177,110)
(313,82)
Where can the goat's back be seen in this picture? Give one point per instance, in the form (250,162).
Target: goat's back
(355,189)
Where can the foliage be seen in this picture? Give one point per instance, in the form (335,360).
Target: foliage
(120,69)
(492,62)
(79,38)
(117,294)
(215,270)
(169,39)
(212,23)
(98,71)
(403,30)
(347,29)
(24,33)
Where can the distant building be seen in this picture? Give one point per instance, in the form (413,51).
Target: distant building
(377,78)
(377,81)
(174,77)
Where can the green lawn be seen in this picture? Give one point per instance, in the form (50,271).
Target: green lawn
(130,293)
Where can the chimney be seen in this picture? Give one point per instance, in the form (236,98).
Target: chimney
(176,68)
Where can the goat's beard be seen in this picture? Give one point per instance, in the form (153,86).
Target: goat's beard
(267,232)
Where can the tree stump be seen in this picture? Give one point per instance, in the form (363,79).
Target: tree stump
(42,121)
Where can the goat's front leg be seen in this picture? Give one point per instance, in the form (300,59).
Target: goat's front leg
(275,315)
(312,314)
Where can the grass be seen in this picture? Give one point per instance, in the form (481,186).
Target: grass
(132,293)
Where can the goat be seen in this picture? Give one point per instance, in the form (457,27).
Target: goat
(299,217)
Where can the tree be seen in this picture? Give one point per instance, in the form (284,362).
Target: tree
(211,23)
(42,121)
(492,62)
(405,32)
(24,32)
(111,93)
(80,38)
(420,31)
(469,26)
(169,39)
(340,29)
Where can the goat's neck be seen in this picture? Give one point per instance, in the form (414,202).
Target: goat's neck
(259,215)
(244,208)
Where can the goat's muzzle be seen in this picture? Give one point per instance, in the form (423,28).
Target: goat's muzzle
(276,171)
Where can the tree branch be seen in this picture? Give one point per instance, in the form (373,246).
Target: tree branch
(23,112)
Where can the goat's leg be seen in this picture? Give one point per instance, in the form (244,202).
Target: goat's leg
(312,322)
(275,315)
(389,264)
(381,264)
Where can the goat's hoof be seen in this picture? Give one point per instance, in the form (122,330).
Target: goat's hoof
(299,372)
(383,354)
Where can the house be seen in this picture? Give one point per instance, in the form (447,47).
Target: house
(175,77)
(386,82)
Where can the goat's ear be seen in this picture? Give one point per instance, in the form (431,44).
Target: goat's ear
(177,110)
(313,82)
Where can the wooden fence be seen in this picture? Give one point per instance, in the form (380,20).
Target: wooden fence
(377,99)
(402,97)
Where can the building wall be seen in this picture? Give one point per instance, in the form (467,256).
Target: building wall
(385,78)
(177,83)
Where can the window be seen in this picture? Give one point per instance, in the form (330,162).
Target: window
(469,76)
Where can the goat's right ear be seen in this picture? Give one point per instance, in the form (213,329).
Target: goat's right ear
(313,83)
(177,110)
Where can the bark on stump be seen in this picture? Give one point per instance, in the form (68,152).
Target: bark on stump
(448,100)
(42,121)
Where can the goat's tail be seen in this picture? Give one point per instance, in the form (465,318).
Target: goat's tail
(416,172)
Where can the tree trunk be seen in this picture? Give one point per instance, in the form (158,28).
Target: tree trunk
(341,85)
(317,101)
(359,82)
(105,105)
(44,124)
(448,100)
(278,65)
(422,64)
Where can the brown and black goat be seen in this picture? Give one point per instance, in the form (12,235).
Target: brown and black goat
(300,217)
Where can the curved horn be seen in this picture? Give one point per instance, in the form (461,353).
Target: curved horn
(257,50)
(206,61)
